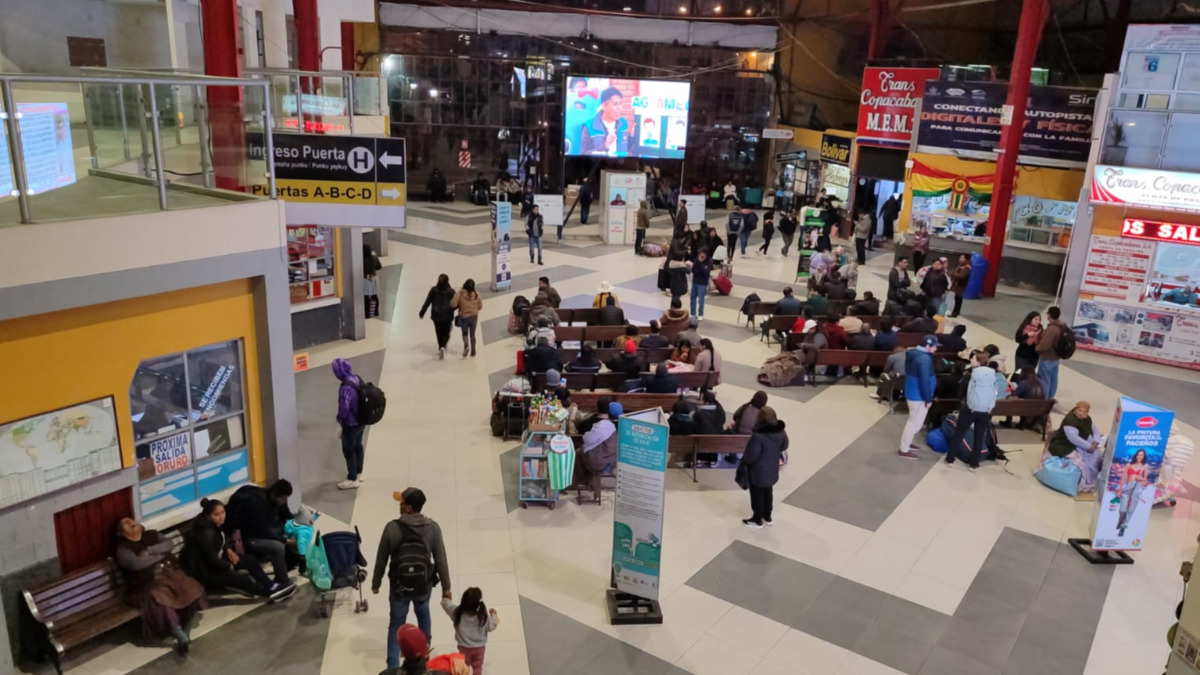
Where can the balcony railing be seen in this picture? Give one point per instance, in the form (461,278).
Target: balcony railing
(102,145)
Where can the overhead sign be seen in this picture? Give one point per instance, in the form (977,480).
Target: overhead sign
(638,504)
(779,134)
(835,149)
(315,104)
(794,156)
(1128,186)
(967,118)
(338,180)
(1175,233)
(1136,449)
(887,107)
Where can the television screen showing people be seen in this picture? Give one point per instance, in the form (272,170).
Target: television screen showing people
(609,117)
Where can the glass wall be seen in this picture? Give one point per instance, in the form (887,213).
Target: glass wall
(500,99)
(189,425)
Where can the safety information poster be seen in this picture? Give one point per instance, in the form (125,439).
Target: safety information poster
(638,513)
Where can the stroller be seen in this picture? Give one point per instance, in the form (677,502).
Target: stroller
(345,568)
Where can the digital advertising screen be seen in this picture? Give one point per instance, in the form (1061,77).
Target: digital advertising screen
(610,117)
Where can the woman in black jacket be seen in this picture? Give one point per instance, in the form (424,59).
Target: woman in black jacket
(764,453)
(210,557)
(437,302)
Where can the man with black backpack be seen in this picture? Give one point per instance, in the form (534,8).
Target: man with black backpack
(359,404)
(1058,342)
(414,555)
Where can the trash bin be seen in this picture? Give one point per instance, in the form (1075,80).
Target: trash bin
(979,266)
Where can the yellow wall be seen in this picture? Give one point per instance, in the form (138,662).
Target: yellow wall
(59,359)
(1031,181)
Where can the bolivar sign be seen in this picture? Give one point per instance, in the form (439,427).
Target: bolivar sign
(339,180)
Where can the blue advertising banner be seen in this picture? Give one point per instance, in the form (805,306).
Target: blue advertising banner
(501,246)
(638,510)
(966,117)
(1135,456)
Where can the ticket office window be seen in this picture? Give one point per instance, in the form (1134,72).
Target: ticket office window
(189,424)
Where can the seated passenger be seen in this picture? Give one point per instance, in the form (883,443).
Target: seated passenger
(603,294)
(891,380)
(885,337)
(611,314)
(789,304)
(868,306)
(710,416)
(541,329)
(167,598)
(922,324)
(1029,386)
(817,303)
(674,319)
(585,362)
(655,340)
(683,353)
(541,307)
(863,340)
(600,442)
(630,337)
(953,341)
(628,362)
(707,359)
(834,333)
(681,421)
(542,358)
(662,382)
(1079,441)
(690,334)
(556,388)
(260,515)
(209,557)
(586,421)
(851,323)
(746,416)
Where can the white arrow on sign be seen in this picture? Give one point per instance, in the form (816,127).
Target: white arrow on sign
(390,160)
(391,193)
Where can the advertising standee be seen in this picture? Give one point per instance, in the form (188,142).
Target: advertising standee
(501,217)
(638,516)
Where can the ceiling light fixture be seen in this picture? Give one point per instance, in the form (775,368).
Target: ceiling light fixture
(749,12)
(627,9)
(683,9)
(433,93)
(717,9)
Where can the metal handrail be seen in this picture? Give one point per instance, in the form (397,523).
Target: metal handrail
(11,115)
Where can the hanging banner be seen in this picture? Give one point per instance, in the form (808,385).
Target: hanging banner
(638,510)
(550,207)
(501,246)
(965,117)
(1135,456)
(1129,186)
(887,107)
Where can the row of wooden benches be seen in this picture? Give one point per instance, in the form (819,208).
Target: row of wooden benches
(590,316)
(592,381)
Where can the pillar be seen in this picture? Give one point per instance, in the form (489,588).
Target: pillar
(227,129)
(1033,19)
(880,26)
(349,57)
(308,42)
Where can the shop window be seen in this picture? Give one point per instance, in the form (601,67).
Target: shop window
(1044,222)
(310,262)
(1182,149)
(1134,138)
(189,424)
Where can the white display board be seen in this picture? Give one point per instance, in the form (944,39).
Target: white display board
(695,208)
(620,193)
(550,207)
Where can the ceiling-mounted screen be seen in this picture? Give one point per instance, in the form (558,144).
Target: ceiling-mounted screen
(610,117)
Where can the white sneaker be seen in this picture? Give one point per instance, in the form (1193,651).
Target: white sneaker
(348,485)
(699,317)
(359,479)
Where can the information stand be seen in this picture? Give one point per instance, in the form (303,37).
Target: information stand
(638,518)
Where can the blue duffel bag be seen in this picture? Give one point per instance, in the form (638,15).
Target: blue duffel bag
(936,440)
(1058,473)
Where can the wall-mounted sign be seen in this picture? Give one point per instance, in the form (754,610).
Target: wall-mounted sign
(781,134)
(1130,186)
(887,107)
(794,156)
(315,104)
(171,453)
(1176,233)
(835,149)
(299,362)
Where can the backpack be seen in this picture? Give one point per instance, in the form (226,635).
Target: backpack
(750,299)
(1065,347)
(412,568)
(735,222)
(520,304)
(371,402)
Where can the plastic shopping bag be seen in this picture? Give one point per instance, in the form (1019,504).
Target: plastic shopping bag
(318,566)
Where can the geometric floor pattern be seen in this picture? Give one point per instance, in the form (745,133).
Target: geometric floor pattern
(875,566)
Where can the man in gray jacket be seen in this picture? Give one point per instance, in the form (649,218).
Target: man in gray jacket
(408,544)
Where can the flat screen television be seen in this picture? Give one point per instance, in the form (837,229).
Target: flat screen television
(612,117)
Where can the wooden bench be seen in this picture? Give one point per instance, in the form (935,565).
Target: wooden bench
(905,340)
(1036,408)
(611,381)
(784,322)
(78,607)
(718,444)
(569,315)
(648,356)
(586,400)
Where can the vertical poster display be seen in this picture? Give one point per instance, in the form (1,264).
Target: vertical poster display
(501,246)
(550,207)
(620,193)
(1135,456)
(638,510)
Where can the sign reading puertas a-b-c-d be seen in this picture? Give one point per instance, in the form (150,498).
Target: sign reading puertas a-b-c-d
(338,180)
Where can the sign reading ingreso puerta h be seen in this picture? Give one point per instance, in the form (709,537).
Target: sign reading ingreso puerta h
(887,109)
(338,180)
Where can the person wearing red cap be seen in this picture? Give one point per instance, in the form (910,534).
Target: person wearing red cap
(414,647)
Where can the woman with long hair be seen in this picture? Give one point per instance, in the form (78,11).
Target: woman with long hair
(1029,333)
(437,303)
(211,558)
(469,304)
(761,461)
(1134,479)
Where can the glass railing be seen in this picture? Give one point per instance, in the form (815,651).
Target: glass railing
(102,145)
(322,102)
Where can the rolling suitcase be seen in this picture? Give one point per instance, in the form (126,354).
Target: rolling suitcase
(723,284)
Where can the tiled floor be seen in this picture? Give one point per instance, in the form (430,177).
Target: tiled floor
(874,566)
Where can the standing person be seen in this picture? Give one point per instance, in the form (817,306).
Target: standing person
(681,218)
(209,557)
(677,277)
(733,229)
(437,303)
(920,381)
(1047,351)
(527,201)
(898,280)
(935,284)
(890,211)
(768,231)
(351,429)
(764,453)
(259,514)
(830,218)
(862,232)
(472,623)
(535,227)
(413,553)
(643,224)
(701,272)
(469,305)
(412,644)
(976,411)
(167,597)
(436,186)
(920,245)
(787,230)
(585,200)
(958,283)
(749,225)
(1029,334)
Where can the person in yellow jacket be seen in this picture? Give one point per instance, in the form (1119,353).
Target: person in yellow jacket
(603,294)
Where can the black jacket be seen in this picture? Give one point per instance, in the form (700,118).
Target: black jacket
(437,303)
(661,385)
(868,307)
(921,324)
(542,358)
(535,226)
(935,285)
(251,510)
(787,225)
(763,450)
(681,425)
(611,316)
(710,419)
(897,282)
(654,341)
(203,555)
(626,364)
(678,280)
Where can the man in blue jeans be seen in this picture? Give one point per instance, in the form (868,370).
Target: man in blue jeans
(701,271)
(1047,349)
(414,555)
(534,227)
(347,416)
